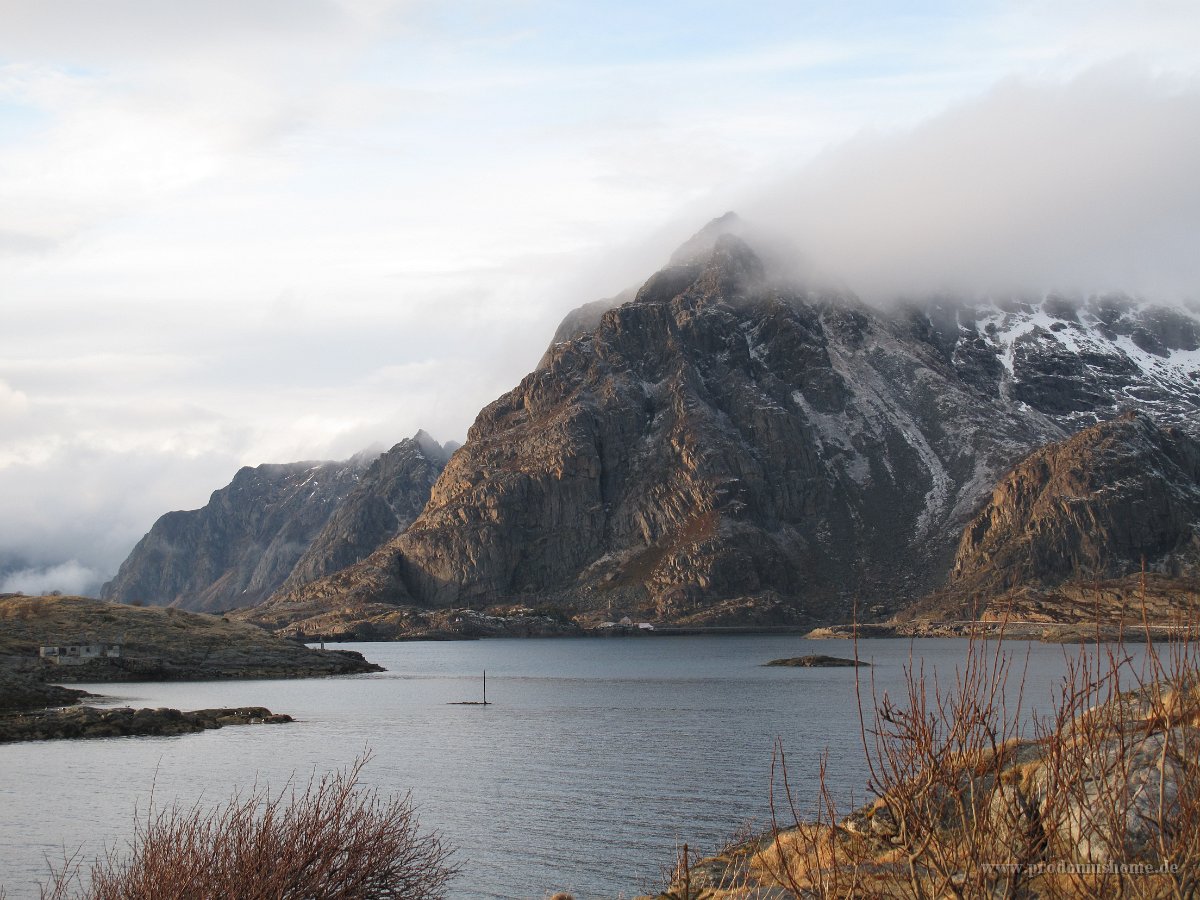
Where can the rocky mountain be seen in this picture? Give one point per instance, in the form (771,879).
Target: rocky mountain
(721,441)
(242,544)
(386,499)
(279,525)
(724,446)
(1089,510)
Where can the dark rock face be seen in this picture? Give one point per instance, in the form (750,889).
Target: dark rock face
(239,547)
(717,437)
(387,498)
(1094,506)
(1078,361)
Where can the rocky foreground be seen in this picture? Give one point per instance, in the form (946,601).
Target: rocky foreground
(91,722)
(1101,800)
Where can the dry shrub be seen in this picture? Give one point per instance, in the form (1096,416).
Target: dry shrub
(973,799)
(1120,775)
(333,839)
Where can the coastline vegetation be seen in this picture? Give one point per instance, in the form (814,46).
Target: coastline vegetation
(975,797)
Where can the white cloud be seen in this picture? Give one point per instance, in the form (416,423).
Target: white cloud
(69,578)
(12,402)
(1088,185)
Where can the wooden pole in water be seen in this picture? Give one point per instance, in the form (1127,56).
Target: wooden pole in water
(485,687)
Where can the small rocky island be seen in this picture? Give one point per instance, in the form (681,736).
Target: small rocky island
(817,661)
(91,722)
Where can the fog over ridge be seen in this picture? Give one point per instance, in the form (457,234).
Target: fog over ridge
(1087,186)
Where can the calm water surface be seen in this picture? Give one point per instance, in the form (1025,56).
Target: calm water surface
(597,758)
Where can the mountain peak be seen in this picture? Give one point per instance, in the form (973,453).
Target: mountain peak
(702,243)
(429,445)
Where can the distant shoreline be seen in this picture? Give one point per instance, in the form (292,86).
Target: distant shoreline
(1046,632)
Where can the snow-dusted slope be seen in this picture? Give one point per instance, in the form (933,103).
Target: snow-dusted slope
(1077,361)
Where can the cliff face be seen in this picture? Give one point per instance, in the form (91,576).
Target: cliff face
(718,437)
(385,501)
(1091,506)
(239,547)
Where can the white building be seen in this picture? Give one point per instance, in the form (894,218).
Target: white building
(78,654)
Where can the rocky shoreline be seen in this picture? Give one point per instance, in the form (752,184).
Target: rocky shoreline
(25,691)
(94,722)
(1047,632)
(323,663)
(1064,812)
(152,644)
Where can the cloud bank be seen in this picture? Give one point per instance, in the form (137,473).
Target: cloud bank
(1088,185)
(69,578)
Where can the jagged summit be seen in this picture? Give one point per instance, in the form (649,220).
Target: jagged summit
(280,525)
(699,245)
(429,445)
(387,498)
(716,441)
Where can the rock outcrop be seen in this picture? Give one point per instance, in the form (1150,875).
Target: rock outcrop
(817,661)
(1089,509)
(93,722)
(23,689)
(242,544)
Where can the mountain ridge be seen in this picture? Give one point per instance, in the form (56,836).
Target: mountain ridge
(715,438)
(724,444)
(275,524)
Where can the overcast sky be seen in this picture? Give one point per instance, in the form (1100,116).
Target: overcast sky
(241,231)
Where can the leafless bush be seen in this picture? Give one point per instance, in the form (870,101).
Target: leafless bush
(333,839)
(1101,798)
(1120,773)
(934,758)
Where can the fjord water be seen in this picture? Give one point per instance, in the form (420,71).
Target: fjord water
(596,760)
